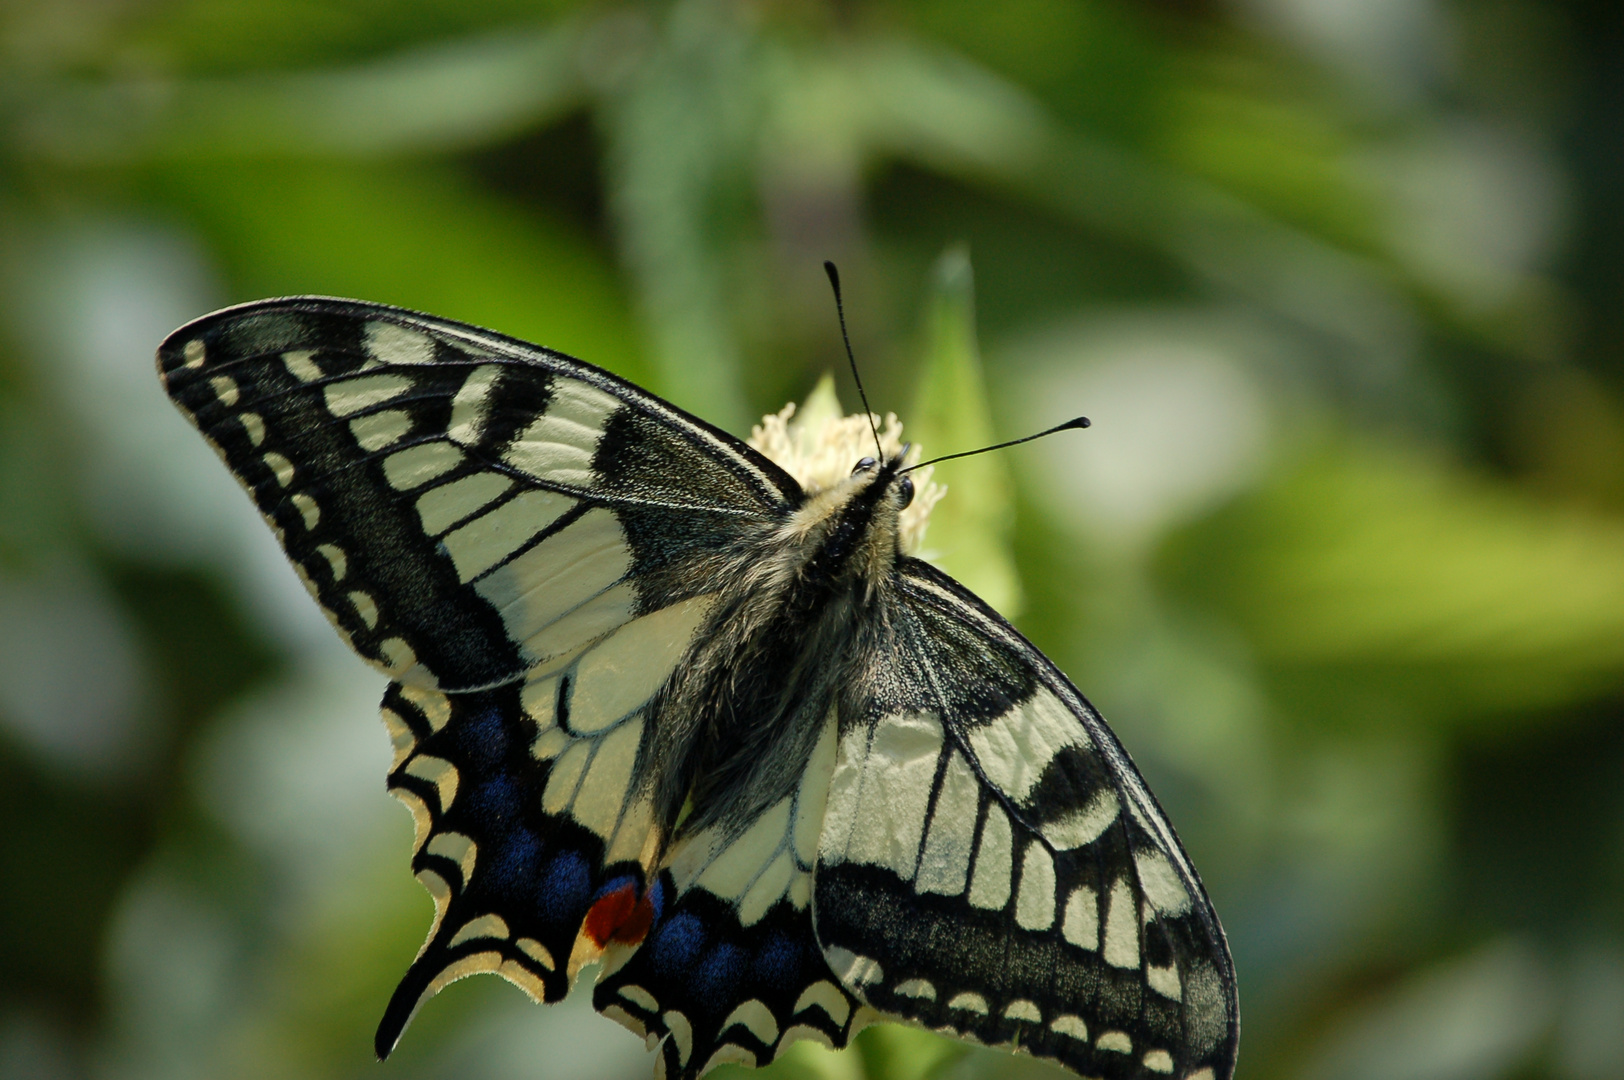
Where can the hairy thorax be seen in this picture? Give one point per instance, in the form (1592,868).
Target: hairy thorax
(800,605)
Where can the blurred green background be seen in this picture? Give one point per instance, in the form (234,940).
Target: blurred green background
(1340,282)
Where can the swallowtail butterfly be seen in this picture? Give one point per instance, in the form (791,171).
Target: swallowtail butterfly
(656,705)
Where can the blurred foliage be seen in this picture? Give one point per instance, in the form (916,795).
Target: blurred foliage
(951,410)
(1342,558)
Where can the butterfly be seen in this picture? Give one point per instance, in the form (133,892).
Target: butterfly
(657,706)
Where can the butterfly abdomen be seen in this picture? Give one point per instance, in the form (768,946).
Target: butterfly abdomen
(797,614)
(746,710)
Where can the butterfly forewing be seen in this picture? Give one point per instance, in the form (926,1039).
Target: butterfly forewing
(451,496)
(991,865)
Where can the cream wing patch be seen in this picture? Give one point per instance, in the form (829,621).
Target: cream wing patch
(558,447)
(1015,748)
(989,886)
(467,497)
(560,576)
(590,716)
(623,671)
(944,867)
(880,792)
(391,343)
(352,396)
(1085,824)
(502,529)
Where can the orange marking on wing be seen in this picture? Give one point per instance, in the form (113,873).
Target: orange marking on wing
(632,931)
(621,915)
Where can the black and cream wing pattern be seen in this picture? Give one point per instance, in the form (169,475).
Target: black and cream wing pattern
(656,705)
(991,864)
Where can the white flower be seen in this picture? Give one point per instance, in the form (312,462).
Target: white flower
(818,446)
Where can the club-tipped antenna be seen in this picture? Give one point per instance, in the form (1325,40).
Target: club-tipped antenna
(1076,423)
(840,310)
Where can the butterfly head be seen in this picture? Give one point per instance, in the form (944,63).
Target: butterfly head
(901,485)
(849,534)
(834,460)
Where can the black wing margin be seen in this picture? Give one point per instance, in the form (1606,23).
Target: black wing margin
(993,866)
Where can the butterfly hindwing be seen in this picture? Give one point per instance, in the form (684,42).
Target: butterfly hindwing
(533,836)
(991,864)
(730,970)
(462,505)
(510,883)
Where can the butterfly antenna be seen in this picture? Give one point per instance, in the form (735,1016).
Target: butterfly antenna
(1070,425)
(840,310)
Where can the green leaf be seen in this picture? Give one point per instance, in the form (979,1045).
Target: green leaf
(803,1060)
(895,1052)
(882,1052)
(970,528)
(821,406)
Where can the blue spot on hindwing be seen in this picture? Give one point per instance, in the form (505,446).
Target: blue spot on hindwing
(656,899)
(482,737)
(619,881)
(676,943)
(564,888)
(494,801)
(778,961)
(717,973)
(514,862)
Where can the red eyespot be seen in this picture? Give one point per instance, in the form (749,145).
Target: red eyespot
(619,916)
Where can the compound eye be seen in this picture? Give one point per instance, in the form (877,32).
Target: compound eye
(863,466)
(904,492)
